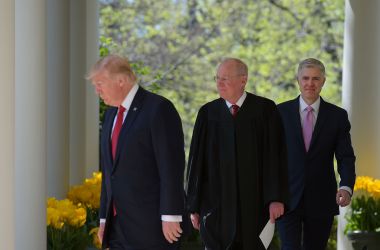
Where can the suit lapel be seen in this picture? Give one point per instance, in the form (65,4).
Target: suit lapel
(107,130)
(322,115)
(296,118)
(131,116)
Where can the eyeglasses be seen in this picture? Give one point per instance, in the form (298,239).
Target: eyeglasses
(224,79)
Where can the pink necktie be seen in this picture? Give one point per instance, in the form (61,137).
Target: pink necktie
(115,137)
(234,110)
(307,129)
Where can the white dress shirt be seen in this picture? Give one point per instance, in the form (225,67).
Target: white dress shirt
(239,102)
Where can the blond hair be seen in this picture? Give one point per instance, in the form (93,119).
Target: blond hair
(113,64)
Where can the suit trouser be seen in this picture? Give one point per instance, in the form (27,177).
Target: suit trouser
(117,240)
(298,231)
(116,237)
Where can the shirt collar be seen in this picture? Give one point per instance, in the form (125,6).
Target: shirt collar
(315,105)
(129,98)
(239,102)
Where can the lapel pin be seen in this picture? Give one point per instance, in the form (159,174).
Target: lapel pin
(134,109)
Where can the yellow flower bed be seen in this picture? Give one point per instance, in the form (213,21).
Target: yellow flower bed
(61,212)
(364,212)
(369,185)
(72,222)
(88,193)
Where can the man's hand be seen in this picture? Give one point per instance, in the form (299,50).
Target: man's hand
(101,231)
(343,197)
(276,209)
(172,231)
(195,220)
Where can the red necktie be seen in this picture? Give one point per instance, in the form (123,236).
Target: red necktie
(115,137)
(116,130)
(234,110)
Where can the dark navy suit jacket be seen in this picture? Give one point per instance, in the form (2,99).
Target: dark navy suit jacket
(311,174)
(146,179)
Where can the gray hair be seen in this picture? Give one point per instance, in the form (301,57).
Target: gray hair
(311,63)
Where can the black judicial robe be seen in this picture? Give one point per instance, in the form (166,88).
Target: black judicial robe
(237,166)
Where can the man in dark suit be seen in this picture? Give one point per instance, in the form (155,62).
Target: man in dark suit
(315,131)
(236,177)
(142,161)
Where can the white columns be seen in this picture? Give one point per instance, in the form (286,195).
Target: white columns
(361,89)
(92,100)
(361,84)
(84,104)
(73,107)
(58,76)
(45,55)
(7,131)
(29,101)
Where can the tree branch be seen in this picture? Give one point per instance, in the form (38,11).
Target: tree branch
(286,9)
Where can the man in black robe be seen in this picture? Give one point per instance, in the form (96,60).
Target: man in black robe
(236,177)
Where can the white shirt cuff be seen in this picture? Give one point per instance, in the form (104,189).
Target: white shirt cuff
(171,218)
(348,189)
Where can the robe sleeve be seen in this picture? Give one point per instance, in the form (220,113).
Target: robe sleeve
(275,163)
(195,167)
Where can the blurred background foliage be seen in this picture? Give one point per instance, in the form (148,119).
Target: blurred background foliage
(176,45)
